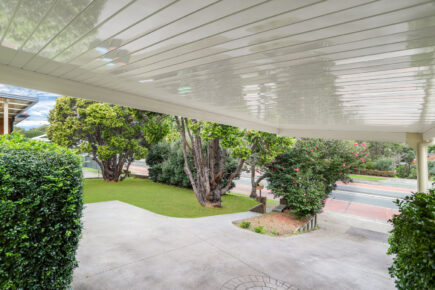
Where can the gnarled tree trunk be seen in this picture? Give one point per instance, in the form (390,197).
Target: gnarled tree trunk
(255,182)
(209,165)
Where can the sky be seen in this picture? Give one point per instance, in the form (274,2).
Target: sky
(39,112)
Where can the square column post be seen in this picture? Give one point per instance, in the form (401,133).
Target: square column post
(5,117)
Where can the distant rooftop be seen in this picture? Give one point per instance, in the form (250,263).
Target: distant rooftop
(17,106)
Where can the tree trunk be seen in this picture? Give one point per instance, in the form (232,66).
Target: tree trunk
(253,183)
(210,167)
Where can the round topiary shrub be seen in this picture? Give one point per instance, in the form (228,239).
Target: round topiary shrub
(40,209)
(412,241)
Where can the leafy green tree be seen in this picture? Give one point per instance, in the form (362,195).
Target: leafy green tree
(209,164)
(264,148)
(306,174)
(113,135)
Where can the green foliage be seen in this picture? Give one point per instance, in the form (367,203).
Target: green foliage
(431,167)
(403,171)
(40,211)
(32,132)
(166,163)
(113,135)
(245,224)
(370,165)
(385,164)
(266,146)
(230,137)
(306,174)
(413,172)
(412,241)
(259,229)
(406,171)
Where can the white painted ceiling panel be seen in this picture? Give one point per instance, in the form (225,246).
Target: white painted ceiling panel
(344,69)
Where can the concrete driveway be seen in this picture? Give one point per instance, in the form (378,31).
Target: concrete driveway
(125,247)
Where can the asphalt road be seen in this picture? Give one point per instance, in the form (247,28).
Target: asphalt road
(375,197)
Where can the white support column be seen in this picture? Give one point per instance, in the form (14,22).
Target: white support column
(415,140)
(422,168)
(5,117)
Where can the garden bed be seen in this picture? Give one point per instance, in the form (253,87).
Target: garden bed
(275,224)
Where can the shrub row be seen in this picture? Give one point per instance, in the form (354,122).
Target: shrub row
(374,172)
(40,210)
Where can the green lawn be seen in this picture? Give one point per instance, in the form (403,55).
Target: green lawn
(160,198)
(366,177)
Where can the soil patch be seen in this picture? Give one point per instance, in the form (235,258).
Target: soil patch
(274,223)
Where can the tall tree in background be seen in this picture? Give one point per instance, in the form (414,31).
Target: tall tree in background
(113,135)
(264,148)
(32,132)
(210,163)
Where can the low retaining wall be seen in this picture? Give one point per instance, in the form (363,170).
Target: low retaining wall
(310,225)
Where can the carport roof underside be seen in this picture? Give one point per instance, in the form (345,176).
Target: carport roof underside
(16,106)
(352,69)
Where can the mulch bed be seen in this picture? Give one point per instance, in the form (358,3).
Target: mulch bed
(275,223)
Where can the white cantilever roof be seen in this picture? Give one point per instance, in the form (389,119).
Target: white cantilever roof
(355,69)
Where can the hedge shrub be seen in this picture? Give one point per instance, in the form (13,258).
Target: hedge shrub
(374,172)
(412,241)
(385,164)
(403,170)
(40,209)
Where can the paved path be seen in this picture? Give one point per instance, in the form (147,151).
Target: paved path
(125,247)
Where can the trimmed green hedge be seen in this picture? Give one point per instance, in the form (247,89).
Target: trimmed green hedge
(412,241)
(40,209)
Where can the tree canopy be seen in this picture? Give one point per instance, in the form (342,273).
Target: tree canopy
(264,148)
(113,135)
